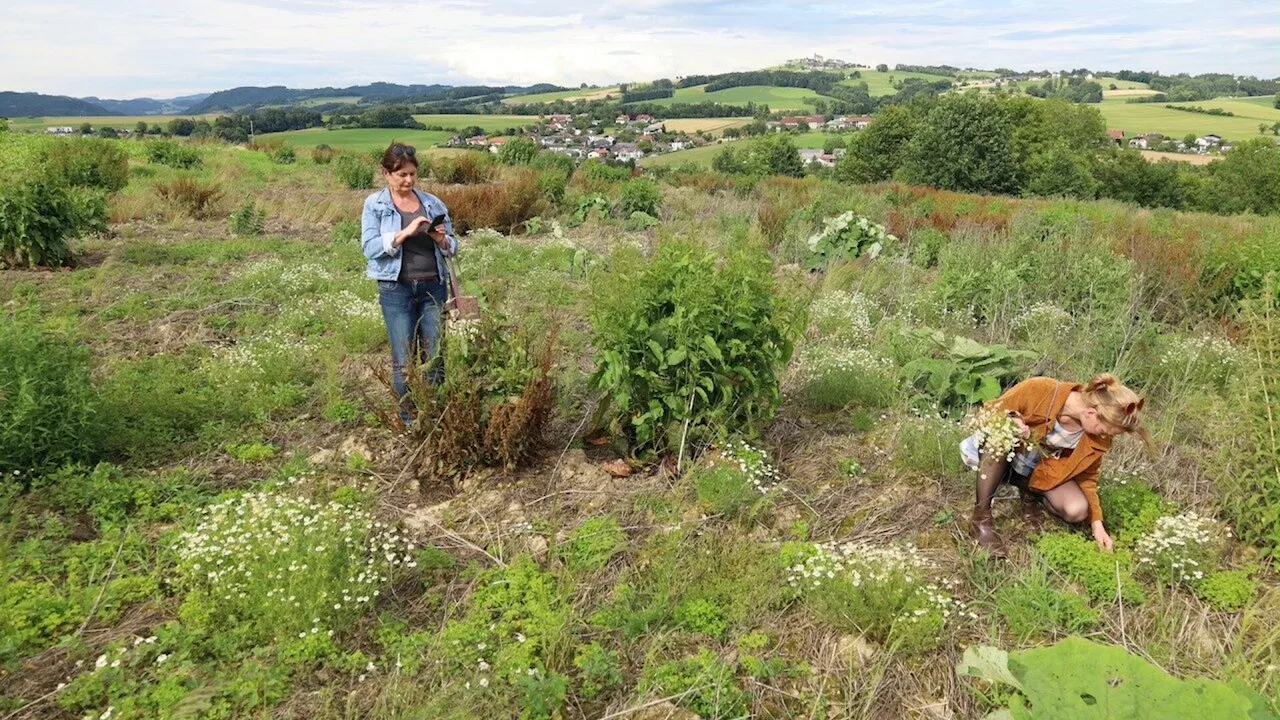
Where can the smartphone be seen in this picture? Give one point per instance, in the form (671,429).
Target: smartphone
(436,222)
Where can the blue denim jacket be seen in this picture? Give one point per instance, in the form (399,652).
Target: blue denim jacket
(379,224)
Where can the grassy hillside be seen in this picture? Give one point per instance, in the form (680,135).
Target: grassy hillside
(118,122)
(777,98)
(878,83)
(582,94)
(488,122)
(215,511)
(360,138)
(1154,117)
(705,154)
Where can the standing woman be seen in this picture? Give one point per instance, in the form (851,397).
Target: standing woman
(406,235)
(1067,428)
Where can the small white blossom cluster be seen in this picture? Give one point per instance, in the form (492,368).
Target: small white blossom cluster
(485,234)
(464,329)
(250,353)
(849,235)
(879,570)
(842,315)
(1043,315)
(283,560)
(815,361)
(998,435)
(290,278)
(1214,357)
(1182,548)
(343,304)
(753,463)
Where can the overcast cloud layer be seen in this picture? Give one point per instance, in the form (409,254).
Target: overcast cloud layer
(163,48)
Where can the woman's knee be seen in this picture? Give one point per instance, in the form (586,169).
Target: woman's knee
(1075,511)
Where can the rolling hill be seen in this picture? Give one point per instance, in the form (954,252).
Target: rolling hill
(16,104)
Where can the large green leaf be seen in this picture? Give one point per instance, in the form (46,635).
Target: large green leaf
(1081,680)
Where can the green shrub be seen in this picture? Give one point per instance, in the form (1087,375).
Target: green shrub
(89,163)
(1227,590)
(253,452)
(640,221)
(553,162)
(48,407)
(1033,607)
(705,684)
(847,237)
(1130,506)
(273,566)
(592,544)
(689,345)
(39,214)
(702,616)
(598,670)
(518,151)
(323,154)
(964,374)
(639,195)
(882,592)
(174,154)
(283,155)
(248,220)
(1079,559)
(353,171)
(469,168)
(926,246)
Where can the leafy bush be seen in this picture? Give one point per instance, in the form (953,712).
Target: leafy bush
(279,566)
(48,406)
(733,480)
(1079,559)
(174,154)
(640,221)
(1077,678)
(39,214)
(705,685)
(1033,607)
(598,670)
(518,151)
(191,197)
(1130,506)
(846,237)
(496,398)
(248,220)
(1227,590)
(467,168)
(689,346)
(701,616)
(879,591)
(283,155)
(639,195)
(89,163)
(966,374)
(592,544)
(354,171)
(926,246)
(323,154)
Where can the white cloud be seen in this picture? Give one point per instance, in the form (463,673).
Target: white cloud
(150,47)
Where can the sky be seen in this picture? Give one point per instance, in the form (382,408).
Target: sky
(166,48)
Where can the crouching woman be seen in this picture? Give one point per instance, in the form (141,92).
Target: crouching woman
(406,235)
(1067,428)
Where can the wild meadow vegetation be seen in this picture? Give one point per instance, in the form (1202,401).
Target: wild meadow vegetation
(699,458)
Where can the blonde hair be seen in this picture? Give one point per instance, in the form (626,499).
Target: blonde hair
(1118,406)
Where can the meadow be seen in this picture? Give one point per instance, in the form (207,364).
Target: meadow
(358,139)
(880,84)
(717,476)
(1136,118)
(777,98)
(119,122)
(570,95)
(489,123)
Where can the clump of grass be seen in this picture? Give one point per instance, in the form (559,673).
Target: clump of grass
(704,684)
(931,445)
(1033,607)
(734,480)
(591,545)
(191,197)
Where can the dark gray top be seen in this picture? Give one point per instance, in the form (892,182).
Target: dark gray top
(419,261)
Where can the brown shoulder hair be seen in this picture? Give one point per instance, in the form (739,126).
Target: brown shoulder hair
(1118,405)
(397,156)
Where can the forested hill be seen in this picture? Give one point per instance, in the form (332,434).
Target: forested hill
(16,104)
(254,97)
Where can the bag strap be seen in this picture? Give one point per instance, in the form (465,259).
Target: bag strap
(452,269)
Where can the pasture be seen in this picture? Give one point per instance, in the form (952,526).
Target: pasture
(881,83)
(119,122)
(1136,118)
(569,95)
(489,123)
(358,139)
(777,98)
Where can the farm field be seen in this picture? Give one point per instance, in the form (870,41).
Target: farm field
(119,122)
(777,98)
(488,122)
(570,95)
(878,83)
(1136,118)
(359,139)
(1157,156)
(698,458)
(705,154)
(714,126)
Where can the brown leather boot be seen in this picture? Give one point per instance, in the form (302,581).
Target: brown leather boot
(983,531)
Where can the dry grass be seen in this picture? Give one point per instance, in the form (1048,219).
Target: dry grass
(1157,156)
(713,126)
(504,205)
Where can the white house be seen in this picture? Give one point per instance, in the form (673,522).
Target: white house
(627,151)
(655,128)
(621,120)
(678,145)
(59,130)
(1205,142)
(1139,143)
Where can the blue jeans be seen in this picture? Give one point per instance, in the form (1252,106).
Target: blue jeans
(411,311)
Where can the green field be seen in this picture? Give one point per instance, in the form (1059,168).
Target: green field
(777,98)
(705,154)
(358,139)
(1136,118)
(488,122)
(1107,82)
(581,94)
(119,122)
(878,82)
